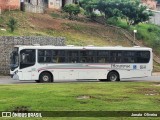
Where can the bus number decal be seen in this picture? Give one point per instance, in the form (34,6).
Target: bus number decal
(134,67)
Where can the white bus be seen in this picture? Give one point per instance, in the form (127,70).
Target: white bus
(50,63)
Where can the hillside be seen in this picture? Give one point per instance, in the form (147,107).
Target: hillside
(77,33)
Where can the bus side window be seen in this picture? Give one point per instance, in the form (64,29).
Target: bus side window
(57,60)
(101,60)
(83,60)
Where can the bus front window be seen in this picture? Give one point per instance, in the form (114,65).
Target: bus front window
(13,60)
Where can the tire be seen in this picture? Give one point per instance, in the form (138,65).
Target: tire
(113,76)
(103,80)
(45,77)
(37,81)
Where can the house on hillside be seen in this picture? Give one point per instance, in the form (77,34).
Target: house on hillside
(151,4)
(9,4)
(36,6)
(51,4)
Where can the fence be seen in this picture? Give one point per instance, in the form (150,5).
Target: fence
(7,44)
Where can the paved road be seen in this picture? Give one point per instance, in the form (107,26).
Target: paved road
(8,80)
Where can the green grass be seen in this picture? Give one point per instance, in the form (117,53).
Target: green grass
(146,32)
(101,96)
(149,33)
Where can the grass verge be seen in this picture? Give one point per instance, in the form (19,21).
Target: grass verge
(87,96)
(123,96)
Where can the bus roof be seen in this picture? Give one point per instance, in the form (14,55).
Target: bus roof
(85,47)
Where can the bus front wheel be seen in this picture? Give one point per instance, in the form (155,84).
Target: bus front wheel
(45,77)
(113,76)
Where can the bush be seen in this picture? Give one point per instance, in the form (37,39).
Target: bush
(93,16)
(1,19)
(118,22)
(72,10)
(112,21)
(12,23)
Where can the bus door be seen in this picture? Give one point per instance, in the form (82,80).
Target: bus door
(27,63)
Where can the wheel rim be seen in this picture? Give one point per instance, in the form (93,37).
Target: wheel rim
(113,77)
(45,78)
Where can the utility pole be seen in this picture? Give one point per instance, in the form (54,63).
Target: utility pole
(134,31)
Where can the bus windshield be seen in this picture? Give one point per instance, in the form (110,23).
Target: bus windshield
(14,60)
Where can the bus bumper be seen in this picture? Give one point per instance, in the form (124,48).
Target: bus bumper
(14,76)
(11,75)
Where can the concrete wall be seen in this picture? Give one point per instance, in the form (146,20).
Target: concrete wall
(7,44)
(55,4)
(155,19)
(69,1)
(34,8)
(37,2)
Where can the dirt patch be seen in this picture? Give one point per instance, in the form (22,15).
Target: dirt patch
(157,100)
(83,97)
(102,98)
(156,84)
(21,109)
(45,22)
(148,91)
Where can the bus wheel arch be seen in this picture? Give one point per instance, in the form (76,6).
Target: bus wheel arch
(113,75)
(45,76)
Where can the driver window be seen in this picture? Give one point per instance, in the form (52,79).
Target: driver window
(27,58)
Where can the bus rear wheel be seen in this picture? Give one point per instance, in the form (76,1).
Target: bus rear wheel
(103,80)
(45,77)
(113,76)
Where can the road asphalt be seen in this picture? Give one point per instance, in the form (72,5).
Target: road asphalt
(8,80)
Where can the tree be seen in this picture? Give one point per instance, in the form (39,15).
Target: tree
(88,6)
(131,10)
(135,13)
(72,10)
(12,23)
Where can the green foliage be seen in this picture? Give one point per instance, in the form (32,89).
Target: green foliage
(131,10)
(55,15)
(89,6)
(118,22)
(149,33)
(72,10)
(112,20)
(12,24)
(1,19)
